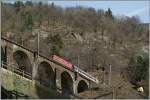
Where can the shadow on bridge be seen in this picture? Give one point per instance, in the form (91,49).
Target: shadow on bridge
(5,94)
(47,89)
(46,92)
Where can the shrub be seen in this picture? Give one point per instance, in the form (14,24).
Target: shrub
(56,43)
(138,68)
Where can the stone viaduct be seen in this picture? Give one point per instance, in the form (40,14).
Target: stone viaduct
(41,69)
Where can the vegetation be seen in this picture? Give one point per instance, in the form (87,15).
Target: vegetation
(56,43)
(142,68)
(73,19)
(92,34)
(84,36)
(138,71)
(139,68)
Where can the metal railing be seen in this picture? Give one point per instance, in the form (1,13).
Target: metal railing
(15,69)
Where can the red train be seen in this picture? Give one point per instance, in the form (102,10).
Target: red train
(73,67)
(62,61)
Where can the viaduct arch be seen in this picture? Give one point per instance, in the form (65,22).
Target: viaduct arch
(23,61)
(45,74)
(82,86)
(66,83)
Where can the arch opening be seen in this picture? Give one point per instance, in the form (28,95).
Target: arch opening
(66,83)
(2,55)
(82,86)
(45,75)
(24,67)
